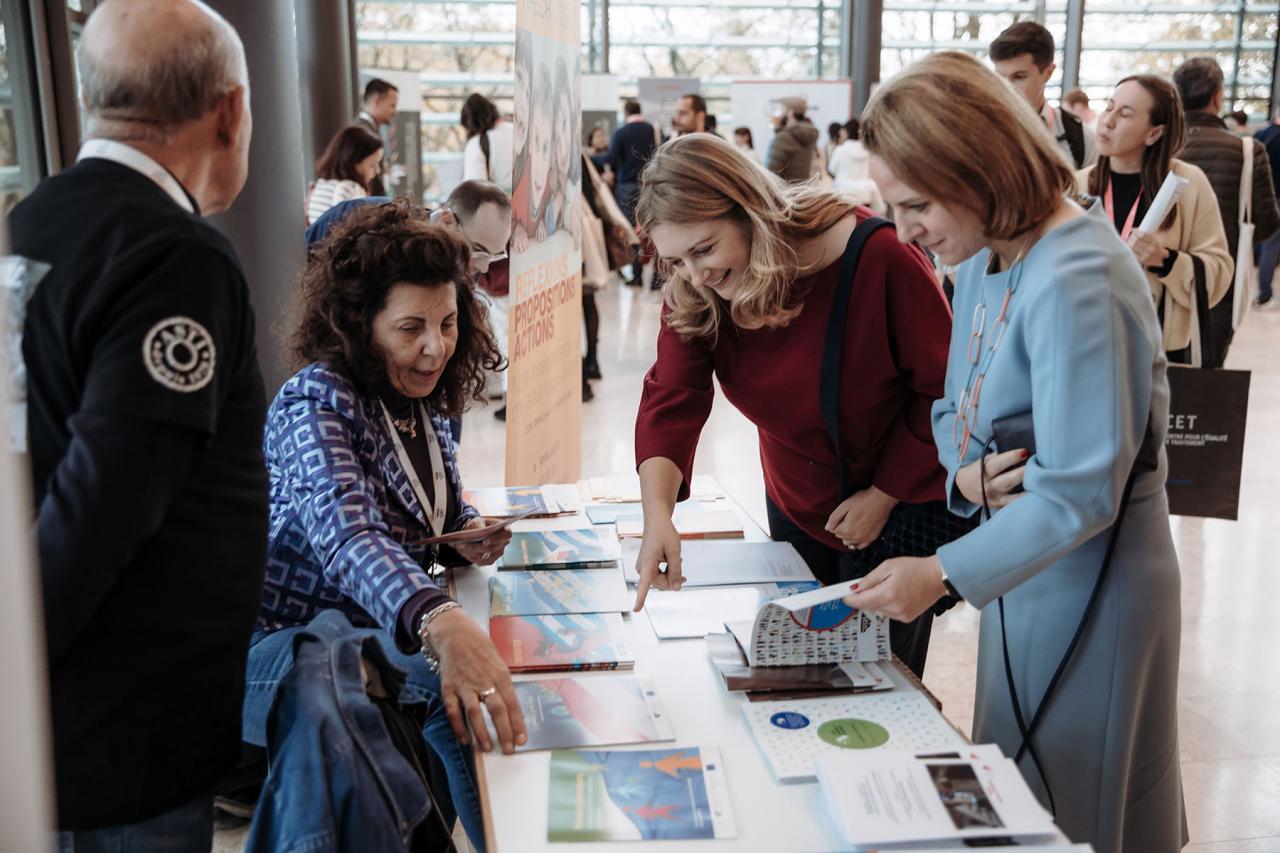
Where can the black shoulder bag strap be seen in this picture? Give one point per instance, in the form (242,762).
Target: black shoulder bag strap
(1147,460)
(1073,133)
(833,348)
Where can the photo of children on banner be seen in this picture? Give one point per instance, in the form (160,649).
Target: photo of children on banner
(548,169)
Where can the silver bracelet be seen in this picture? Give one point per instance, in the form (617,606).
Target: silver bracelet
(428,650)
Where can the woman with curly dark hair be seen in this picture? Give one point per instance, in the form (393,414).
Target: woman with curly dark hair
(391,340)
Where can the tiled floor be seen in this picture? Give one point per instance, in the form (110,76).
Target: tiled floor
(1230,682)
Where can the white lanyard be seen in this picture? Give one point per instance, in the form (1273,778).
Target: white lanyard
(118,152)
(435,509)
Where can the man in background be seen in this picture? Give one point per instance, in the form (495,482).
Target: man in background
(791,152)
(146,407)
(690,115)
(380,102)
(629,150)
(1023,55)
(1076,102)
(481,212)
(1219,153)
(1269,251)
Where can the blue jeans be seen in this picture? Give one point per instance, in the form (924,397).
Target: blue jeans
(270,659)
(1268,256)
(186,829)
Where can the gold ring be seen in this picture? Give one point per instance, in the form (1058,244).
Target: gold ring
(487,692)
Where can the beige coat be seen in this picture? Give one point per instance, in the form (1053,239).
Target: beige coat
(1196,229)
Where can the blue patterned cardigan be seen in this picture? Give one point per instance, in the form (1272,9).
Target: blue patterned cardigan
(342,507)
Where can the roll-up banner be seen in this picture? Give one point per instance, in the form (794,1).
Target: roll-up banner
(544,391)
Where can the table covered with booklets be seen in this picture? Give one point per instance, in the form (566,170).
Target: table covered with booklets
(653,747)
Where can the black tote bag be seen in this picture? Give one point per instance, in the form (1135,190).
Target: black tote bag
(1205,444)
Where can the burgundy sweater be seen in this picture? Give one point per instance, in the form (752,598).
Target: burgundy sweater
(895,357)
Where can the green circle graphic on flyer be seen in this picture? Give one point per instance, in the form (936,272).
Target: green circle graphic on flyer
(853,734)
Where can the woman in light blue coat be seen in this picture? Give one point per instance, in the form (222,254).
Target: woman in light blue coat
(1053,317)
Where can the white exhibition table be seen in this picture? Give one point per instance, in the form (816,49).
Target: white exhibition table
(769,816)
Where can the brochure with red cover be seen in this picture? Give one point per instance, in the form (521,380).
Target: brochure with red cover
(564,642)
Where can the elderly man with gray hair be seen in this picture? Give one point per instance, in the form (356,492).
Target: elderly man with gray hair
(145,414)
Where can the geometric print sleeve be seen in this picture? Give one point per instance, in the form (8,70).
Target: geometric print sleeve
(318,467)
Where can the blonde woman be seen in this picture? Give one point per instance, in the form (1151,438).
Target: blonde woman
(1056,354)
(754,270)
(1139,132)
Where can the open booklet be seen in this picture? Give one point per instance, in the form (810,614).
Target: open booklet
(894,799)
(774,681)
(812,627)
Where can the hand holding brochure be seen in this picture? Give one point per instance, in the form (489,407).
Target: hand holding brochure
(476,534)
(813,627)
(1164,201)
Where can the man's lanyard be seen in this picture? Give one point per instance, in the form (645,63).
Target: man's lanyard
(1108,203)
(435,509)
(118,152)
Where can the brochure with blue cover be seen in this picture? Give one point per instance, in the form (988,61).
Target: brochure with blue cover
(566,591)
(646,795)
(562,549)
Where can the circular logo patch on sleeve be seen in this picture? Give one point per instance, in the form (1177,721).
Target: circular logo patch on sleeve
(179,354)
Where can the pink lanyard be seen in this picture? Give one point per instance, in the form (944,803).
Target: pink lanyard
(1109,204)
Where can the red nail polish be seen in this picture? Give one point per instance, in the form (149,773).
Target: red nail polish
(1026,454)
(853,586)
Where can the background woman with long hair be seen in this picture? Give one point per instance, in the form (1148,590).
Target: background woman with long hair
(1139,133)
(753,272)
(345,170)
(490,143)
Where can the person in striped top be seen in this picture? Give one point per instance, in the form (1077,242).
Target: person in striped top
(345,171)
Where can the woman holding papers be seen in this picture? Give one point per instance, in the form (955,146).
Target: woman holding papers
(1138,134)
(1057,356)
(754,271)
(362,471)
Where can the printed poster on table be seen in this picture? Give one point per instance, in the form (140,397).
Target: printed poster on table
(645,795)
(544,388)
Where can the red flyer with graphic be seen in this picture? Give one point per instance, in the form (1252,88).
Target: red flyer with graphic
(564,642)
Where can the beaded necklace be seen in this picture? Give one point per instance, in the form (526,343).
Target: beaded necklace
(966,416)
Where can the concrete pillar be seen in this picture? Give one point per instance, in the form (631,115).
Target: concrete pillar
(1071,47)
(266,223)
(327,67)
